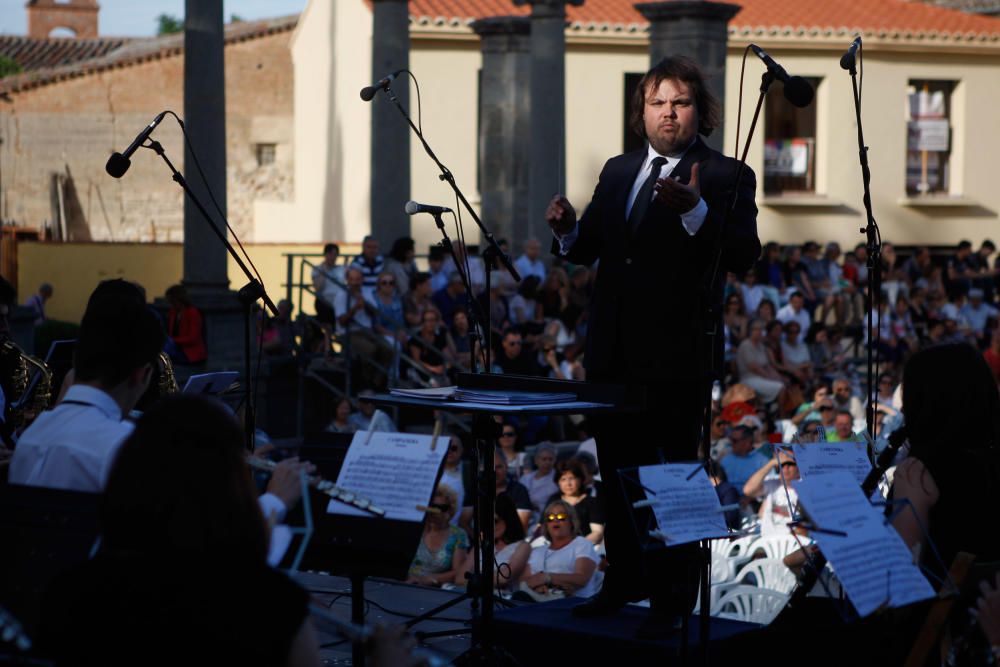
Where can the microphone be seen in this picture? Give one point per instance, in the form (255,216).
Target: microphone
(797,90)
(847,60)
(119,163)
(413,207)
(368,92)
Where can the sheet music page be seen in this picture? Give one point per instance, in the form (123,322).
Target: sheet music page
(872,562)
(395,471)
(822,457)
(686,510)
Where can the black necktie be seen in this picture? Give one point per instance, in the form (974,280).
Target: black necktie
(645,195)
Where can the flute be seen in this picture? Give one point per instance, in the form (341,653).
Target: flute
(324,486)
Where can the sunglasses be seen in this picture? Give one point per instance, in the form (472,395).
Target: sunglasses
(443,507)
(453,448)
(556,517)
(508,434)
(789,464)
(824,408)
(387,282)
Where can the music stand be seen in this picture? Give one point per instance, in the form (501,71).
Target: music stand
(591,398)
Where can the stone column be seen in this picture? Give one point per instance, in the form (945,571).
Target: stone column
(390,172)
(695,29)
(205,257)
(205,120)
(547,150)
(504,125)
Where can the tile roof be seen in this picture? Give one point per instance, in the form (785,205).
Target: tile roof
(137,50)
(33,53)
(868,16)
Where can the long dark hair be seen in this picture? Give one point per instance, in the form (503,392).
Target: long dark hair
(685,70)
(180,487)
(505,509)
(951,405)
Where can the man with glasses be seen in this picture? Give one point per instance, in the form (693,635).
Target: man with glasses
(744,460)
(844,399)
(513,358)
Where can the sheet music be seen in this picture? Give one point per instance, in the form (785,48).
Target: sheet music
(872,562)
(395,471)
(686,510)
(825,457)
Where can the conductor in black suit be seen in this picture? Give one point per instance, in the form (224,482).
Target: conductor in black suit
(653,223)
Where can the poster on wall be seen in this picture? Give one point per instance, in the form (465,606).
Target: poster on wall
(787,157)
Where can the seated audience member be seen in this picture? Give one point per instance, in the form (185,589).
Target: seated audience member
(400,263)
(185,331)
(444,547)
(992,354)
(431,348)
(779,506)
(567,563)
(541,483)
(457,474)
(418,300)
(73,445)
(181,575)
(368,417)
(513,451)
(356,318)
(511,551)
(341,417)
(744,460)
(728,494)
(795,353)
(513,358)
(511,488)
(588,510)
(843,427)
(844,399)
(389,321)
(756,367)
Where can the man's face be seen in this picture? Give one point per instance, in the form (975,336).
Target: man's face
(789,469)
(355,280)
(532,248)
(500,469)
(435,264)
(670,117)
(367,408)
(844,426)
(842,391)
(370,249)
(512,345)
(331,257)
(797,302)
(741,440)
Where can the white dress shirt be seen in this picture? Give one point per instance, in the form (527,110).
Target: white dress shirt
(73,445)
(692,220)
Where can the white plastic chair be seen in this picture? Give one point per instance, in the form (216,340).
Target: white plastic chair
(776,546)
(750,604)
(769,573)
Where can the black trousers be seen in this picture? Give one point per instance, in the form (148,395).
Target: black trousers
(666,431)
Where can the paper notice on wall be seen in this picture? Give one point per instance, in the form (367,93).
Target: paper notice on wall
(928,135)
(871,560)
(787,157)
(927,104)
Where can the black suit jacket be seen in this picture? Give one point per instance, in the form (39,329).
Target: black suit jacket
(646,318)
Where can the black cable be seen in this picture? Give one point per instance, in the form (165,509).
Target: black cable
(739,102)
(420,115)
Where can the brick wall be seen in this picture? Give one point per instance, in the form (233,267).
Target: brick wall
(72,126)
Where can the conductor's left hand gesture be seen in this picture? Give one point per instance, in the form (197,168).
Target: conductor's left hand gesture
(677,196)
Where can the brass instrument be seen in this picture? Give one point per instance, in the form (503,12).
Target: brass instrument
(166,381)
(27,385)
(324,486)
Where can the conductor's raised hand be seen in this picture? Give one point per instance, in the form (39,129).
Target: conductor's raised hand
(560,215)
(677,196)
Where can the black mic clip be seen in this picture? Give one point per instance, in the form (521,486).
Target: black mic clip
(368,92)
(847,61)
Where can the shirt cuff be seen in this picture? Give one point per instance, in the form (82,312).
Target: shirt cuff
(695,218)
(567,240)
(272,504)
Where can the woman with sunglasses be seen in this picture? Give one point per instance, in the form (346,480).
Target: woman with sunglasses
(443,548)
(568,562)
(513,453)
(573,491)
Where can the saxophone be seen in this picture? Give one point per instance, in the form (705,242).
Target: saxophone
(166,382)
(27,385)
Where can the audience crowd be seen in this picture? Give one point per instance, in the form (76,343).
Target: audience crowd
(795,336)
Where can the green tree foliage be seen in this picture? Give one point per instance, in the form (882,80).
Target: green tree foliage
(167,24)
(8,66)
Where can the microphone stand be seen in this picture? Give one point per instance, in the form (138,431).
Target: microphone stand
(874,247)
(480,588)
(248,295)
(884,461)
(712,318)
